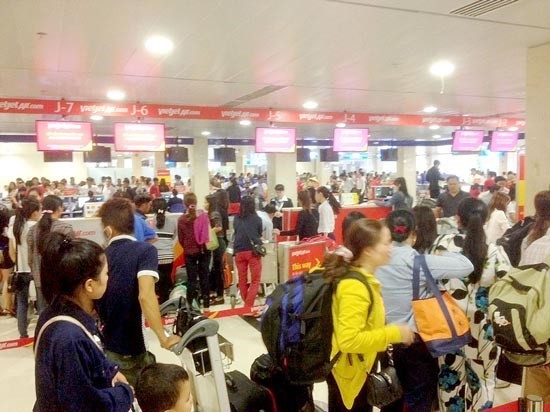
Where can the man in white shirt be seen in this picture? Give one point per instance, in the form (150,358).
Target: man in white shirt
(267,223)
(108,189)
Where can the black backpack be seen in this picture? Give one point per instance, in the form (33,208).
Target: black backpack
(297,326)
(512,238)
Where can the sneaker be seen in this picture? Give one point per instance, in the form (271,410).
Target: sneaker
(502,384)
(217,300)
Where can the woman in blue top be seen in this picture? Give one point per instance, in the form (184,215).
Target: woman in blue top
(71,370)
(248,231)
(400,198)
(416,368)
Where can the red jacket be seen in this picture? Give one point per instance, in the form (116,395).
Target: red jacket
(186,236)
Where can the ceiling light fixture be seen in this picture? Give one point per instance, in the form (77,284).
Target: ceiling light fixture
(429,109)
(341,124)
(96,117)
(159,45)
(115,94)
(245,122)
(436,136)
(513,129)
(310,105)
(205,133)
(442,68)
(434,127)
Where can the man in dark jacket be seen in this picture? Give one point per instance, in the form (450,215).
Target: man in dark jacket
(433,177)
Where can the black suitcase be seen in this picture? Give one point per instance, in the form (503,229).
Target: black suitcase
(288,397)
(248,396)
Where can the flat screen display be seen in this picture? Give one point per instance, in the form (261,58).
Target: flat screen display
(67,136)
(503,141)
(275,140)
(99,154)
(225,154)
(351,140)
(177,154)
(328,155)
(467,140)
(51,157)
(303,155)
(388,155)
(139,137)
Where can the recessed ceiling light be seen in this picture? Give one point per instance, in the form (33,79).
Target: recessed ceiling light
(314,141)
(159,45)
(466,114)
(434,127)
(429,109)
(513,129)
(96,117)
(341,124)
(245,122)
(205,133)
(436,136)
(115,94)
(442,68)
(310,104)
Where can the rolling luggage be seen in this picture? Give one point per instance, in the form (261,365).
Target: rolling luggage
(248,396)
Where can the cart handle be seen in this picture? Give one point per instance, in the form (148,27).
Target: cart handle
(170,305)
(204,328)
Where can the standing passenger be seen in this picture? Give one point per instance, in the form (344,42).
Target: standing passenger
(328,209)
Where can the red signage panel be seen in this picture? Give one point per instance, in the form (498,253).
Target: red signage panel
(351,140)
(275,140)
(139,137)
(304,257)
(69,136)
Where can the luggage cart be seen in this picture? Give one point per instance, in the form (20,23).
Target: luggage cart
(205,363)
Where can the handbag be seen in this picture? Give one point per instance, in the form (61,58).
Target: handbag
(383,386)
(213,242)
(258,249)
(441,323)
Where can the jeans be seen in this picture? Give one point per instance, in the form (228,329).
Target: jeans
(243,260)
(418,373)
(197,267)
(217,272)
(22,300)
(40,300)
(165,284)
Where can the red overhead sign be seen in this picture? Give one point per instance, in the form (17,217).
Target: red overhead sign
(70,136)
(139,137)
(170,111)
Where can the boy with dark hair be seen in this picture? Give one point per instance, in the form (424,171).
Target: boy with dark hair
(164,388)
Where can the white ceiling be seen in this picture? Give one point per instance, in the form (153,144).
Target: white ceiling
(360,56)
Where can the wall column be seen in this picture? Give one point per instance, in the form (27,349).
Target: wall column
(200,179)
(406,167)
(136,164)
(537,143)
(281,168)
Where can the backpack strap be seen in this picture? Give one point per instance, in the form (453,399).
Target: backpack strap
(63,318)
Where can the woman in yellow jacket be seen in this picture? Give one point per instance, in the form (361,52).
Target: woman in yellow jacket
(367,246)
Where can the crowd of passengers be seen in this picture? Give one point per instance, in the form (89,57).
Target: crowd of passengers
(108,291)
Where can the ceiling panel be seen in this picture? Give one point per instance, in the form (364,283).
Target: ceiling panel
(360,55)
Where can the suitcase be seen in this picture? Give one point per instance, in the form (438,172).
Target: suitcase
(248,396)
(288,397)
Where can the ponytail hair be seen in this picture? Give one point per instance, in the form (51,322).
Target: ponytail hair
(402,224)
(28,207)
(50,205)
(159,206)
(334,204)
(426,228)
(190,201)
(362,234)
(473,214)
(542,216)
(67,264)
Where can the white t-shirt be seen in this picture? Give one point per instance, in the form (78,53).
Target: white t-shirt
(23,248)
(326,218)
(496,226)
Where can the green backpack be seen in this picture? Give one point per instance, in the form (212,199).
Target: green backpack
(519,311)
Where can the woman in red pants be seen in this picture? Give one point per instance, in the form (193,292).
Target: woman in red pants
(248,231)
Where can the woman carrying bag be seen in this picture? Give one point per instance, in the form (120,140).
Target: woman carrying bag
(359,329)
(467,377)
(416,367)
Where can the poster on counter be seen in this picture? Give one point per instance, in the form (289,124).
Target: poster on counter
(302,258)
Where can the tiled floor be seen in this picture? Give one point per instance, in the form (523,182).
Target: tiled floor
(17,365)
